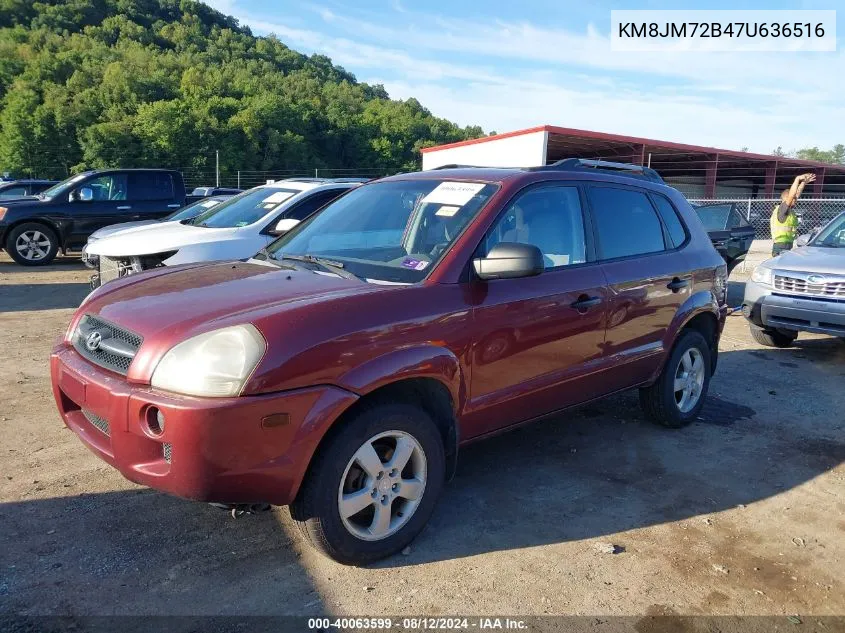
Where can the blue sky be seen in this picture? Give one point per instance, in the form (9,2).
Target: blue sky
(507,65)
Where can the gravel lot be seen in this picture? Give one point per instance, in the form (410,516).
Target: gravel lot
(741,513)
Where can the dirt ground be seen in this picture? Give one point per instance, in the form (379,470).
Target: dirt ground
(740,513)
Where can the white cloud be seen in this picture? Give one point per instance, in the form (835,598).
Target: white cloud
(509,75)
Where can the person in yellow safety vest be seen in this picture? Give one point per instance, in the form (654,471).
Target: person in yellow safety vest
(784,222)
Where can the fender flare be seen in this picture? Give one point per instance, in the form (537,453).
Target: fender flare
(702,302)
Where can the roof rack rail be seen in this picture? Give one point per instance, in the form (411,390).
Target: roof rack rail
(635,171)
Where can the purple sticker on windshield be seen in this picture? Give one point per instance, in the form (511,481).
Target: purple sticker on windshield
(414,264)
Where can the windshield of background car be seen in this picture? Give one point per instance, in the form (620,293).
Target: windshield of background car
(246,208)
(834,235)
(714,218)
(393,231)
(193,210)
(63,186)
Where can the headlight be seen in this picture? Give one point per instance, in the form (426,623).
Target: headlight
(762,275)
(3,212)
(215,364)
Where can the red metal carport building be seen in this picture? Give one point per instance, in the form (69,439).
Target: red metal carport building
(699,172)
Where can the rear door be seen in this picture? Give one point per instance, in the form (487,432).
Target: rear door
(537,340)
(109,204)
(647,277)
(151,194)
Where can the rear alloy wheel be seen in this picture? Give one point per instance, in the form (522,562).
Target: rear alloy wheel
(677,396)
(373,484)
(772,338)
(32,244)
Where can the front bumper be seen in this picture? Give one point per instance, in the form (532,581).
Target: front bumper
(250,449)
(767,308)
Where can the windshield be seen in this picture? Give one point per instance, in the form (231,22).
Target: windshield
(389,231)
(246,208)
(193,210)
(834,235)
(714,218)
(63,186)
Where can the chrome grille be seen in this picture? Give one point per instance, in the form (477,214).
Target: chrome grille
(165,450)
(127,342)
(793,284)
(97,421)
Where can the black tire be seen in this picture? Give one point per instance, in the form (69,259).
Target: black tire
(658,401)
(771,338)
(46,236)
(316,506)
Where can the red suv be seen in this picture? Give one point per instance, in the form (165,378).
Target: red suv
(339,370)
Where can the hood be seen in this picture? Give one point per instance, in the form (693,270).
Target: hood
(157,238)
(117,228)
(167,305)
(4,201)
(27,201)
(811,259)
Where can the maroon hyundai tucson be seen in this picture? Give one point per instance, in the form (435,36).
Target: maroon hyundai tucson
(339,370)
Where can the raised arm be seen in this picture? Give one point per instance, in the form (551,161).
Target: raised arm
(797,187)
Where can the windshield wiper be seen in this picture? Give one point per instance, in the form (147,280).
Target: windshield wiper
(332,266)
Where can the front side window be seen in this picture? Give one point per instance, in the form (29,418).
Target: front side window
(549,218)
(63,187)
(312,203)
(246,208)
(108,187)
(394,231)
(626,223)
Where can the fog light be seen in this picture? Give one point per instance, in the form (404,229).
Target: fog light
(155,420)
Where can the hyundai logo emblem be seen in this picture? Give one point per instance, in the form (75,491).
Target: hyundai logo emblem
(93,340)
(815,279)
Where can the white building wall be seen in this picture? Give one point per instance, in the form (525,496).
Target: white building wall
(525,150)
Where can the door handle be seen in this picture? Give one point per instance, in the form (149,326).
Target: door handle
(124,207)
(677,284)
(584,303)
(173,206)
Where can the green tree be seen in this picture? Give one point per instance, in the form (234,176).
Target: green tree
(96,83)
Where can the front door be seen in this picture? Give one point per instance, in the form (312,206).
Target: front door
(537,340)
(108,204)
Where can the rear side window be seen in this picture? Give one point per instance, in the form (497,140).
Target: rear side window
(13,192)
(735,219)
(626,223)
(670,218)
(151,186)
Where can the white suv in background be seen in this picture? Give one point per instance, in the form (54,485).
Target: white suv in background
(235,229)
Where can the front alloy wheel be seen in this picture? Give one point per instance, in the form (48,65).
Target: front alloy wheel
(373,483)
(382,485)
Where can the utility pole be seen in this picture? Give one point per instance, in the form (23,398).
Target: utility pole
(217,166)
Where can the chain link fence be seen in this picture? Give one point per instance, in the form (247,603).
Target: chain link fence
(245,179)
(811,212)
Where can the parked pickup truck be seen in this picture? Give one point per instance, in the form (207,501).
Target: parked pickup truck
(33,230)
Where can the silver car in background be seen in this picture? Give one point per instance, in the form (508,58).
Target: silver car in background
(801,290)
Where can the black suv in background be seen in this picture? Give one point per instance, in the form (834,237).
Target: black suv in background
(33,230)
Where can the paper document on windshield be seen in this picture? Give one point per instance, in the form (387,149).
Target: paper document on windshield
(453,193)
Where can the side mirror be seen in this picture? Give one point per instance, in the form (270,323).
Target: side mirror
(83,194)
(283,226)
(805,238)
(509,260)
